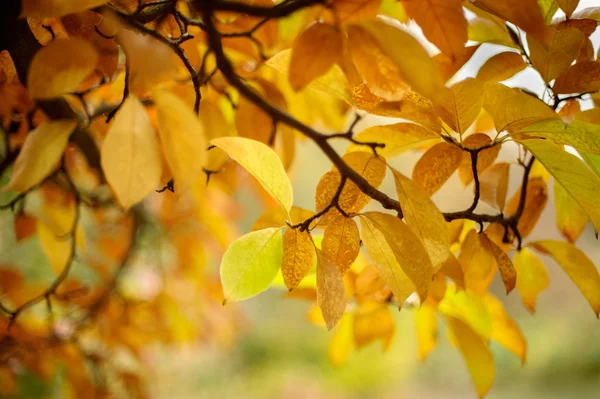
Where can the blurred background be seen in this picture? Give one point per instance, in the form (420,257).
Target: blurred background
(280,354)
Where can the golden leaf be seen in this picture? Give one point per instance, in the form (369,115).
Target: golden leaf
(398,137)
(532,277)
(579,78)
(535,202)
(505,266)
(501,66)
(460,106)
(341,242)
(570,218)
(478,264)
(494,185)
(331,295)
(426,323)
(505,330)
(436,166)
(298,256)
(553,59)
(373,322)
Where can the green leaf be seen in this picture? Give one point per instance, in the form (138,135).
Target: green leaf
(251,263)
(261,162)
(575,177)
(584,137)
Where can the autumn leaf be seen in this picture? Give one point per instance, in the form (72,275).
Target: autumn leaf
(553,59)
(580,135)
(461,105)
(298,256)
(476,353)
(253,123)
(533,277)
(577,266)
(60,67)
(484,30)
(131,158)
(570,218)
(406,248)
(436,166)
(535,202)
(262,163)
(581,77)
(355,10)
(505,330)
(398,138)
(450,66)
(341,242)
(576,178)
(568,6)
(182,138)
(340,345)
(314,52)
(426,323)
(373,323)
(251,263)
(424,218)
(505,266)
(331,295)
(478,263)
(485,157)
(55,8)
(40,154)
(501,66)
(494,185)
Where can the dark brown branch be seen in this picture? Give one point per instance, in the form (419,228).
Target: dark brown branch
(334,203)
(281,10)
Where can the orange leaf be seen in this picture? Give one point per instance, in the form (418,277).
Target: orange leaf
(341,242)
(298,256)
(461,105)
(501,67)
(436,166)
(582,77)
(331,295)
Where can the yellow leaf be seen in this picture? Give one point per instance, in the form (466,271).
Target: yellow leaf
(406,248)
(570,218)
(582,77)
(578,267)
(341,242)
(381,75)
(182,139)
(397,138)
(584,137)
(450,66)
(60,67)
(298,256)
(355,10)
(331,295)
(42,150)
(479,265)
(214,126)
(532,277)
(314,52)
(494,185)
(575,177)
(453,269)
(413,107)
(130,155)
(469,308)
(553,59)
(277,216)
(436,166)
(512,109)
(505,330)
(426,323)
(418,70)
(371,323)
(501,67)
(485,30)
(535,202)
(55,8)
(526,14)
(341,342)
(485,158)
(476,353)
(425,220)
(443,23)
(252,122)
(505,266)
(262,163)
(568,6)
(461,105)
(57,249)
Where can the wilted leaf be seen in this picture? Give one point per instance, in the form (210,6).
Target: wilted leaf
(262,163)
(478,264)
(425,220)
(461,105)
(553,59)
(578,267)
(532,277)
(436,166)
(60,67)
(341,242)
(494,185)
(298,256)
(251,263)
(130,156)
(43,148)
(397,138)
(505,266)
(443,23)
(182,139)
(331,295)
(575,177)
(476,353)
(314,52)
(512,109)
(426,323)
(501,66)
(406,248)
(570,218)
(505,330)
(581,77)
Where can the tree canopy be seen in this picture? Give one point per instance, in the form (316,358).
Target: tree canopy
(132,130)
